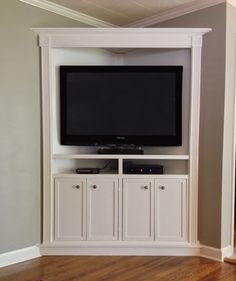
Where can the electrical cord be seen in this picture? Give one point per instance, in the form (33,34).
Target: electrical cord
(106,165)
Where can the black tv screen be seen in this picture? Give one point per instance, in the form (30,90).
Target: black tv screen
(138,105)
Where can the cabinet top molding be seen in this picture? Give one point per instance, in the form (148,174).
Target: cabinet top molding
(121,37)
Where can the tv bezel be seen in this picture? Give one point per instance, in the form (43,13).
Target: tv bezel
(138,140)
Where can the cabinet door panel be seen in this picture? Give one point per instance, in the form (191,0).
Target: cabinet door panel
(171,210)
(138,220)
(102,209)
(69,209)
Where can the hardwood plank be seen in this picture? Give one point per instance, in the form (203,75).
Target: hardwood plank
(77,268)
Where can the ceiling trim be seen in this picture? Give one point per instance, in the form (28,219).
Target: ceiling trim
(232,2)
(177,12)
(69,13)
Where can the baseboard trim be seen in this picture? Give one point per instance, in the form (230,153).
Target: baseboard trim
(215,253)
(123,251)
(29,253)
(21,255)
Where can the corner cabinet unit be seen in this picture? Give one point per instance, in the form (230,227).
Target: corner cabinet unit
(113,213)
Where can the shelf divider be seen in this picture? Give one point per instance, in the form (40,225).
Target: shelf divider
(121,156)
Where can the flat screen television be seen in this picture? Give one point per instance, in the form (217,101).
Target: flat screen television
(121,105)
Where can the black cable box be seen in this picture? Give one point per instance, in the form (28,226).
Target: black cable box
(145,169)
(88,171)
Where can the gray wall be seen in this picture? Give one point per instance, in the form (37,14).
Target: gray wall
(20,163)
(228,140)
(211,118)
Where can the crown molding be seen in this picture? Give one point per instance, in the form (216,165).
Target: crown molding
(232,2)
(69,13)
(177,12)
(149,21)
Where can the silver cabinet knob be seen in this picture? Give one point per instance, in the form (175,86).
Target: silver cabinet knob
(94,186)
(145,187)
(162,187)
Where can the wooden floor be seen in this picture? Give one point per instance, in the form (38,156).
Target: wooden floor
(72,268)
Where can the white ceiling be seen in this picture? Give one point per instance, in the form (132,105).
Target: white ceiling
(122,12)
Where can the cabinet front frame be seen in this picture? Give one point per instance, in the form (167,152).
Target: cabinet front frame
(160,187)
(90,190)
(141,184)
(58,183)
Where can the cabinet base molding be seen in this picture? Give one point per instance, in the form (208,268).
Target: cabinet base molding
(118,250)
(215,253)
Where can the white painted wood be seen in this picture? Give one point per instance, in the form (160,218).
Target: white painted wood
(102,209)
(124,12)
(145,12)
(171,200)
(120,209)
(231,2)
(69,13)
(227,252)
(215,253)
(46,140)
(122,243)
(77,31)
(70,209)
(118,156)
(233,164)
(176,12)
(20,255)
(138,209)
(120,166)
(88,176)
(118,37)
(125,249)
(194,135)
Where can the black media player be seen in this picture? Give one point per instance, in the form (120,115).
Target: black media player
(145,169)
(88,171)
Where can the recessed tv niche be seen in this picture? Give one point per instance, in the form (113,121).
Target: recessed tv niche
(121,105)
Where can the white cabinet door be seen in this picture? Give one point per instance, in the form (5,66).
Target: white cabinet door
(138,209)
(69,209)
(171,209)
(102,209)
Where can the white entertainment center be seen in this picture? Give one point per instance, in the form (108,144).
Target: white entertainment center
(113,213)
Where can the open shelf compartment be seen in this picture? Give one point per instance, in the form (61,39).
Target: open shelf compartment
(113,164)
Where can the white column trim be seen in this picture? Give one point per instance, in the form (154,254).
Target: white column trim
(46,136)
(194,136)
